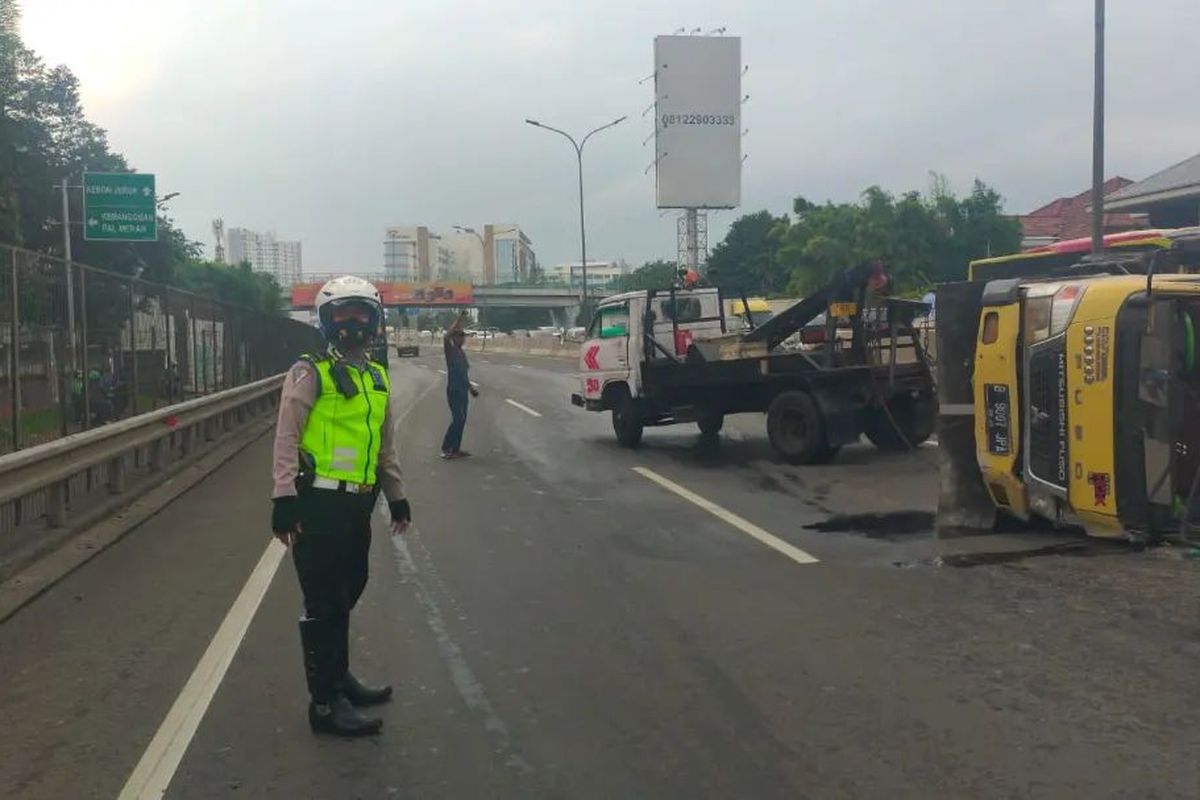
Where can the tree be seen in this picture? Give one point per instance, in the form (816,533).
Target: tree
(44,137)
(745,260)
(651,275)
(923,239)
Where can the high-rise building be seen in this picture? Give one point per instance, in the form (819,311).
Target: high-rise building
(600,274)
(512,257)
(406,253)
(265,253)
(500,254)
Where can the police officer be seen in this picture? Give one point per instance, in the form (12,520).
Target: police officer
(334,453)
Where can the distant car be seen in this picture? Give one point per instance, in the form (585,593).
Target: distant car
(411,349)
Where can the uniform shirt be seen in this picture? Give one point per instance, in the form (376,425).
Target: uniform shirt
(300,389)
(457,367)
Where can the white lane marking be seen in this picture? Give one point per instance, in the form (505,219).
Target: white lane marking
(442,371)
(157,766)
(522,406)
(744,525)
(519,366)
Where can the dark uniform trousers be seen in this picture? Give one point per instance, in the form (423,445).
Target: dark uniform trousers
(330,552)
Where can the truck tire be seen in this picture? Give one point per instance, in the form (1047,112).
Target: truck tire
(797,429)
(711,424)
(627,419)
(904,424)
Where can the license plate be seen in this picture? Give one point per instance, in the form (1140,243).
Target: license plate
(999,417)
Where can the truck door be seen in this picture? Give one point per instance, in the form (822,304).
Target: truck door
(604,356)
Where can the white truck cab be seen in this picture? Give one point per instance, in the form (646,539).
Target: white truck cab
(614,347)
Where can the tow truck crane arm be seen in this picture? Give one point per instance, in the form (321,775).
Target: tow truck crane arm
(846,286)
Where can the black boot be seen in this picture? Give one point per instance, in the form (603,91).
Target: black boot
(361,695)
(329,711)
(341,719)
(356,692)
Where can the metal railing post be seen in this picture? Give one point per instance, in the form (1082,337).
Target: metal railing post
(193,348)
(83,318)
(15,361)
(56,504)
(133,358)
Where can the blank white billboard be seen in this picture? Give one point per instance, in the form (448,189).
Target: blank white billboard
(698,128)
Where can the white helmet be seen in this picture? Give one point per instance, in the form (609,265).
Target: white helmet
(343,291)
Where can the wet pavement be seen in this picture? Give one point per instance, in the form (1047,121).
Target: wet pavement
(561,625)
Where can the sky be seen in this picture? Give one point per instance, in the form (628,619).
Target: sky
(326,121)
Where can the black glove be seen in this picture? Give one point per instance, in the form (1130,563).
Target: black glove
(284,515)
(400,511)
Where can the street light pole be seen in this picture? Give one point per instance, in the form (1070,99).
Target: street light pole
(583,297)
(1098,135)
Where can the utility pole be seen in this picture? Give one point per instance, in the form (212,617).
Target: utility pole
(66,225)
(1098,136)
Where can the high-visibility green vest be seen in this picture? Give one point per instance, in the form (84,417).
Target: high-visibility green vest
(342,434)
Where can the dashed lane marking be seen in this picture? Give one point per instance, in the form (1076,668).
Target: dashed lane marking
(744,525)
(522,406)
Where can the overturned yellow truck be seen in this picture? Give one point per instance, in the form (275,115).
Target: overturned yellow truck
(1069,388)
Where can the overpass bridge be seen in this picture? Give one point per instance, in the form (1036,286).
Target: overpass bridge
(454,294)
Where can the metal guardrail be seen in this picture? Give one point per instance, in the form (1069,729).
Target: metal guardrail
(150,440)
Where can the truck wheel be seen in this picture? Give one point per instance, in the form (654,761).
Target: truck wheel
(711,424)
(627,420)
(797,430)
(906,423)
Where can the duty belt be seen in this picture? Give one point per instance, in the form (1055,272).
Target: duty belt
(342,486)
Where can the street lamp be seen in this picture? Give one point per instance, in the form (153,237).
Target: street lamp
(582,230)
(162,201)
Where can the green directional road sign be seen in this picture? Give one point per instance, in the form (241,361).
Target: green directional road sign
(119,207)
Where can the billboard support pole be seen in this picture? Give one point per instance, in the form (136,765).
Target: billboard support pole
(692,239)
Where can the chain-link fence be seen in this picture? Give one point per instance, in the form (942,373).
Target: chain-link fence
(122,347)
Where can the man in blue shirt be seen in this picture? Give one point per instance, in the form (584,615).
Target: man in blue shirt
(458,388)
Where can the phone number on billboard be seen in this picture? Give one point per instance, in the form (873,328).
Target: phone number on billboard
(698,119)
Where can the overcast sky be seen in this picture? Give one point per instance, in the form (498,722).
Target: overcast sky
(326,121)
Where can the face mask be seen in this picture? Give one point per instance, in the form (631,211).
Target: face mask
(353,332)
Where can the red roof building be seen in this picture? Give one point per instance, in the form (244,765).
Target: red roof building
(1071,218)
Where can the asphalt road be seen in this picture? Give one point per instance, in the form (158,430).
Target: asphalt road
(562,625)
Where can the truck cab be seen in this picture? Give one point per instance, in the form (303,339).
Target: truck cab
(1083,384)
(614,347)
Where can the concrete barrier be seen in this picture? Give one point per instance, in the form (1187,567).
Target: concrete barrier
(540,346)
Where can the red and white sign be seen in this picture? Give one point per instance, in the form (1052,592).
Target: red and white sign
(589,357)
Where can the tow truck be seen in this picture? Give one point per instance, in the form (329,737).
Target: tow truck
(664,357)
(1069,384)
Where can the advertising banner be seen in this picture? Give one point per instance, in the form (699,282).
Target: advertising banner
(698,121)
(304,295)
